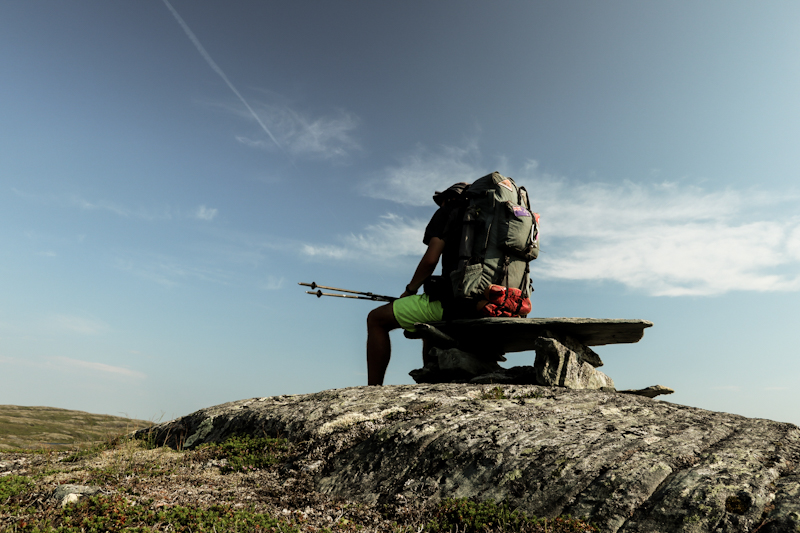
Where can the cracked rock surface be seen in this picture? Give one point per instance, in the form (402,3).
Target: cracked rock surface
(628,463)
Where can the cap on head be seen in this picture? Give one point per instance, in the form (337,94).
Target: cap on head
(451,192)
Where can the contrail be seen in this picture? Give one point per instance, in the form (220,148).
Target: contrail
(218,70)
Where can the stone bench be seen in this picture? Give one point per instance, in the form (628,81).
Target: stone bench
(503,335)
(467,350)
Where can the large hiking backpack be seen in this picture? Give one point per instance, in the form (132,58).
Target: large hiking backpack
(499,238)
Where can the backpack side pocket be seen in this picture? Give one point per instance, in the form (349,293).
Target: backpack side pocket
(516,230)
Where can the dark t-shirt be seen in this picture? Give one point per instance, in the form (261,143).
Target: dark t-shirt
(445,225)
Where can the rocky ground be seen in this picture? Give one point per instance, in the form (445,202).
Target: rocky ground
(164,478)
(112,487)
(423,458)
(628,463)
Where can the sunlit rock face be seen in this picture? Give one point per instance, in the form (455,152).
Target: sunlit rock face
(626,462)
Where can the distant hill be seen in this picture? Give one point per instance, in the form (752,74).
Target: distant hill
(40,427)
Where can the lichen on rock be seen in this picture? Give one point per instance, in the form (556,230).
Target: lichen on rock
(628,463)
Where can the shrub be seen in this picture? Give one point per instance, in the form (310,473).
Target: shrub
(496,393)
(246,453)
(467,516)
(114,513)
(11,486)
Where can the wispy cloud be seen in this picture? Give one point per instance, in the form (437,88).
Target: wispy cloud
(420,173)
(117,209)
(224,257)
(323,137)
(273,283)
(727,388)
(201,212)
(392,237)
(60,363)
(205,213)
(666,239)
(77,324)
(661,239)
(218,70)
(169,271)
(98,367)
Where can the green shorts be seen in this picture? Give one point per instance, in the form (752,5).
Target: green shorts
(417,308)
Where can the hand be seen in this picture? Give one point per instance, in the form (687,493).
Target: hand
(408,292)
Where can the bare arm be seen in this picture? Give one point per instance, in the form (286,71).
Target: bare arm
(426,265)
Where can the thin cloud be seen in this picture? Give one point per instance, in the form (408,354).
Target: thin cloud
(205,213)
(323,137)
(663,239)
(273,283)
(169,272)
(119,210)
(202,212)
(215,68)
(416,177)
(77,324)
(392,237)
(99,367)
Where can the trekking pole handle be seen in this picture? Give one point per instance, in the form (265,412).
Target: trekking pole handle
(314,285)
(374,297)
(363,295)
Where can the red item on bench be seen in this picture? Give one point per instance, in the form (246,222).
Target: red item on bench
(505,301)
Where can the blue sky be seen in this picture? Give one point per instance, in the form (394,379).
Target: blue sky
(170,171)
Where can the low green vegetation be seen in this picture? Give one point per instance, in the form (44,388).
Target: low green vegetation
(495,393)
(23,427)
(499,393)
(11,486)
(114,513)
(244,484)
(246,453)
(467,516)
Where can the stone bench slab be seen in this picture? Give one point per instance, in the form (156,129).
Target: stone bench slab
(503,335)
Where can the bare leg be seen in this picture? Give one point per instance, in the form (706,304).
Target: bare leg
(380,322)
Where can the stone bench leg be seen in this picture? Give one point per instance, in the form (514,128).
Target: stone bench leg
(564,362)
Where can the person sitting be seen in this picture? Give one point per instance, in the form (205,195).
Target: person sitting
(442,239)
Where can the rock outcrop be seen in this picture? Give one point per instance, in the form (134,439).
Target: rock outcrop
(628,463)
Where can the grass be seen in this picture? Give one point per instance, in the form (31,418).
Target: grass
(11,486)
(246,483)
(114,513)
(495,393)
(468,516)
(499,393)
(246,453)
(47,427)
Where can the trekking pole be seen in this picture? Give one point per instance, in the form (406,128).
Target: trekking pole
(350,294)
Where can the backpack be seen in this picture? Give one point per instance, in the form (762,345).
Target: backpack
(499,238)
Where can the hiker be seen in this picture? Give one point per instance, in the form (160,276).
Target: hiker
(442,238)
(486,237)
